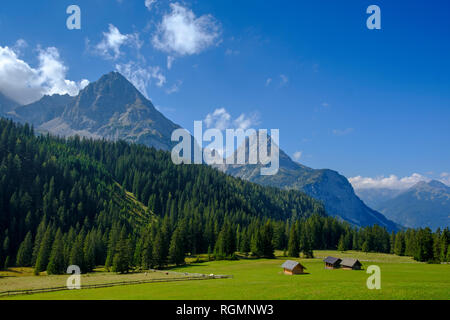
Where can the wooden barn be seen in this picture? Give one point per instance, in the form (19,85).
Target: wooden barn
(332,262)
(351,264)
(293,267)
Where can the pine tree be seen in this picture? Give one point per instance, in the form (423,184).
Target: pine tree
(7,263)
(392,242)
(365,247)
(424,249)
(176,252)
(293,244)
(25,252)
(437,246)
(77,253)
(399,245)
(257,244)
(267,240)
(307,247)
(121,262)
(245,243)
(44,251)
(444,245)
(114,236)
(56,263)
(341,244)
(37,242)
(147,252)
(158,251)
(89,252)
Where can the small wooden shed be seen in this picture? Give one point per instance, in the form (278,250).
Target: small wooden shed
(332,262)
(293,267)
(351,264)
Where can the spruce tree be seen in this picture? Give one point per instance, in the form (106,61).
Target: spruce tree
(176,252)
(114,236)
(121,262)
(37,241)
(257,244)
(293,243)
(159,258)
(341,244)
(25,252)
(45,250)
(7,263)
(307,246)
(89,252)
(77,253)
(147,252)
(56,263)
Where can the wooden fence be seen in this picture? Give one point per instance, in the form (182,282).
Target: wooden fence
(113,284)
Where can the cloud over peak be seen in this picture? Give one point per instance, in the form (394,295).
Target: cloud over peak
(141,76)
(25,84)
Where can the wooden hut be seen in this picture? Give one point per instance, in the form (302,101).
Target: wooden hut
(293,267)
(332,262)
(351,264)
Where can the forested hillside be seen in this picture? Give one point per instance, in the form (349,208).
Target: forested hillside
(73,191)
(90,202)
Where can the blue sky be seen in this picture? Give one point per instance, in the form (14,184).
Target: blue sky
(367,103)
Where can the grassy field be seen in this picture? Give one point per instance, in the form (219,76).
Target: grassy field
(24,278)
(401,278)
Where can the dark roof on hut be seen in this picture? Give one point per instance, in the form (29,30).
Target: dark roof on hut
(348,262)
(290,265)
(332,260)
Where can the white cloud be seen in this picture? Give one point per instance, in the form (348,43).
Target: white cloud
(445,178)
(174,88)
(222,120)
(268,82)
(391,182)
(141,76)
(24,84)
(298,155)
(219,119)
(343,132)
(112,42)
(170,61)
(182,33)
(246,121)
(284,79)
(19,46)
(149,4)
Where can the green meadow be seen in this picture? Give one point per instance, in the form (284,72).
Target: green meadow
(401,278)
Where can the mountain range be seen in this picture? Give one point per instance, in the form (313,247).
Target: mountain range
(328,186)
(112,108)
(426,204)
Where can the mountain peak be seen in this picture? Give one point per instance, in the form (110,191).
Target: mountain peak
(325,185)
(110,108)
(112,76)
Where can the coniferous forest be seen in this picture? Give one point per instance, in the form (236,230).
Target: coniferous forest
(91,202)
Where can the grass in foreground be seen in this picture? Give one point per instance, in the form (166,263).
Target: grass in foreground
(401,278)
